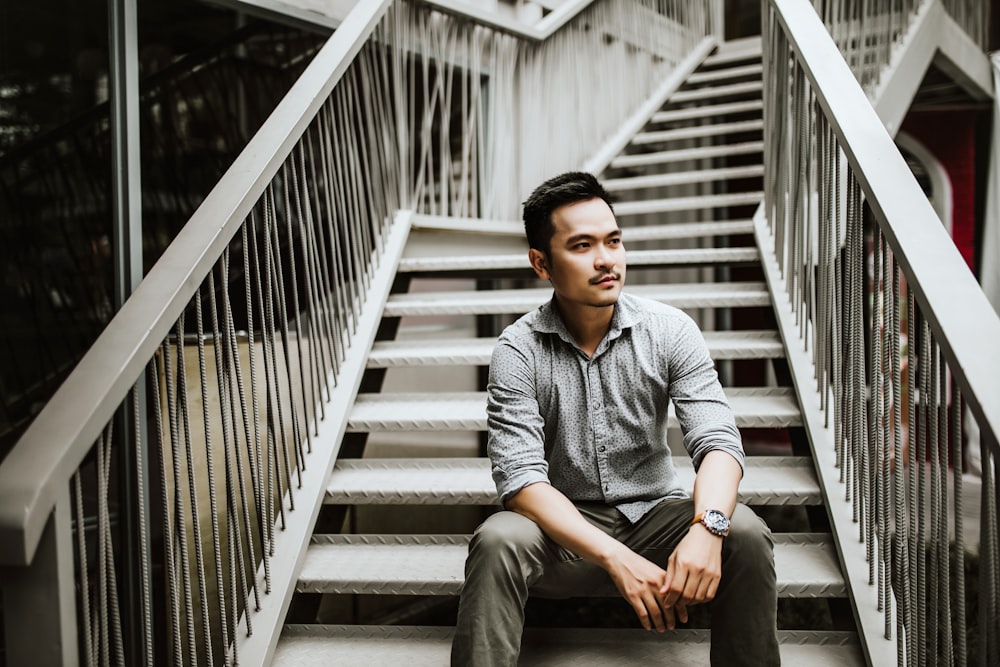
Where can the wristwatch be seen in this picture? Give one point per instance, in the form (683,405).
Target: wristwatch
(715,521)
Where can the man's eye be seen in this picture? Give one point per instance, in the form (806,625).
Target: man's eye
(581,246)
(615,241)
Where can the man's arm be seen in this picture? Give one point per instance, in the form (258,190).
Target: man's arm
(695,566)
(640,581)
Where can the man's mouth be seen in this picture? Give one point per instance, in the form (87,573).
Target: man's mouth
(606,279)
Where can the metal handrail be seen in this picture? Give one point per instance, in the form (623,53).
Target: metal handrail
(882,403)
(45,458)
(967,327)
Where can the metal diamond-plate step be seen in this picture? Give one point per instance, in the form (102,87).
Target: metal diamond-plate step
(431,224)
(425,646)
(519,301)
(697,132)
(477,351)
(687,203)
(769,480)
(435,565)
(579,647)
(648,258)
(704,76)
(707,111)
(700,153)
(681,178)
(466,411)
(750,87)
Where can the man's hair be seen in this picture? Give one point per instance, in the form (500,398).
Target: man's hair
(567,188)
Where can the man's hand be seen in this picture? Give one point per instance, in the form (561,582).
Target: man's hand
(693,573)
(640,581)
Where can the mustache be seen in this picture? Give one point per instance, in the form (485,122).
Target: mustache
(611,274)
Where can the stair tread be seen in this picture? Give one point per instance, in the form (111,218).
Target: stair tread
(425,646)
(697,132)
(687,203)
(434,565)
(698,153)
(501,262)
(707,111)
(477,351)
(682,178)
(744,88)
(433,224)
(514,301)
(723,73)
(768,480)
(771,407)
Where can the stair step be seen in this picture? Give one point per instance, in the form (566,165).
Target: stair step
(519,301)
(656,258)
(753,407)
(687,203)
(682,178)
(688,230)
(806,565)
(735,50)
(708,111)
(703,76)
(478,351)
(685,154)
(745,88)
(427,646)
(768,480)
(697,132)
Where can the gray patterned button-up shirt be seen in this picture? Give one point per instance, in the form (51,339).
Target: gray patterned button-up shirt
(595,427)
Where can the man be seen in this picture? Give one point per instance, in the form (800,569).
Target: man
(577,417)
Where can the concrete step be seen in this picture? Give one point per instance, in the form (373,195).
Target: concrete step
(753,407)
(768,480)
(708,111)
(715,92)
(426,646)
(806,565)
(682,178)
(477,351)
(702,202)
(479,263)
(688,230)
(686,154)
(697,132)
(520,301)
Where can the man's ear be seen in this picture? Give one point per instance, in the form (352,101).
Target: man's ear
(539,263)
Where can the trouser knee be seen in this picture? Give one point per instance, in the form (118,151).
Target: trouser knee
(749,547)
(508,541)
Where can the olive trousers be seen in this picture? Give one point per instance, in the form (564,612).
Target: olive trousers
(510,558)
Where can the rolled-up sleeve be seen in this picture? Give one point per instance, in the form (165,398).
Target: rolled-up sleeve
(704,414)
(515,427)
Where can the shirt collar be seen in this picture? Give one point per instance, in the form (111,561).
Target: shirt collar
(627,314)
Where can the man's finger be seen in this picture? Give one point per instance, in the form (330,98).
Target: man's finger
(655,613)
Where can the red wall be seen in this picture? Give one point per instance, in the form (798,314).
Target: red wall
(950,137)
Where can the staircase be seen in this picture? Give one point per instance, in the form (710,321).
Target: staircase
(686,186)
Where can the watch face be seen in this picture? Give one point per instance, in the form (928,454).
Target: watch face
(716,522)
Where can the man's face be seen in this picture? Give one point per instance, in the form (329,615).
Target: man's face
(586,260)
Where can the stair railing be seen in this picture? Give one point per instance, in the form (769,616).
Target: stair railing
(210,409)
(868,33)
(894,350)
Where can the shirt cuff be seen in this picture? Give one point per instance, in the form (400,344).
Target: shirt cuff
(509,485)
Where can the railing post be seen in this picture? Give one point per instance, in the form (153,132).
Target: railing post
(39,600)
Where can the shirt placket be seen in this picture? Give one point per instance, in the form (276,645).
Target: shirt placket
(599,427)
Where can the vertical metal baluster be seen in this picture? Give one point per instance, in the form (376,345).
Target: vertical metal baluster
(199,555)
(934,445)
(923,365)
(236,371)
(912,315)
(901,541)
(144,556)
(944,539)
(89,648)
(213,503)
(961,645)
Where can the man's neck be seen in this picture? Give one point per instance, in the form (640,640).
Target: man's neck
(586,324)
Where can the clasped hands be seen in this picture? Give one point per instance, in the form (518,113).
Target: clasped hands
(659,597)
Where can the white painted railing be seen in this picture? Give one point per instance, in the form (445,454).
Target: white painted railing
(211,407)
(890,339)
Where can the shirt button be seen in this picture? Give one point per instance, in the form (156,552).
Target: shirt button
(607,487)
(601,448)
